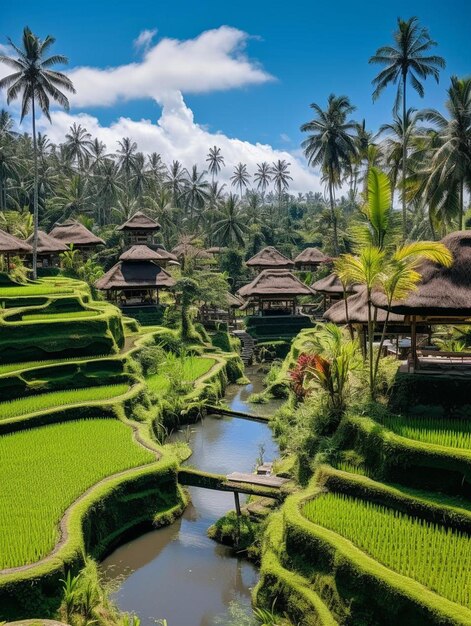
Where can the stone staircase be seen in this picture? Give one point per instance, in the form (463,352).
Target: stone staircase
(247,343)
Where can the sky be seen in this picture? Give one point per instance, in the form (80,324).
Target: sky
(179,77)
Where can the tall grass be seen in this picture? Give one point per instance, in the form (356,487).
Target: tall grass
(45,401)
(453,433)
(45,469)
(177,372)
(435,556)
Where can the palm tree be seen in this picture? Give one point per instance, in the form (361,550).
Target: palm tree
(6,125)
(263,176)
(196,191)
(215,160)
(409,60)
(450,172)
(126,157)
(281,178)
(230,228)
(78,142)
(36,82)
(331,146)
(240,177)
(176,178)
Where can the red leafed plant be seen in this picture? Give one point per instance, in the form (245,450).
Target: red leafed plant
(306,366)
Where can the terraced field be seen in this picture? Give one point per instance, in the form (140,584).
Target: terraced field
(44,470)
(45,401)
(193,368)
(453,433)
(437,557)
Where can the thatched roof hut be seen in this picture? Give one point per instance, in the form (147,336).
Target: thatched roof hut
(331,286)
(47,245)
(186,249)
(215,250)
(269,258)
(140,253)
(139,222)
(443,292)
(357,305)
(274,284)
(310,258)
(233,301)
(9,244)
(73,232)
(135,275)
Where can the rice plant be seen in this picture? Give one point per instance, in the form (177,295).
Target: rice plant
(184,371)
(437,557)
(453,433)
(45,469)
(66,315)
(45,401)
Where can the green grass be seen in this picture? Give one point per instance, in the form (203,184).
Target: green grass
(45,401)
(193,367)
(30,317)
(437,557)
(44,470)
(453,433)
(14,367)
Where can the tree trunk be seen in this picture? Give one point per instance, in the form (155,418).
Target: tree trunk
(404,160)
(334,218)
(461,203)
(370,346)
(35,197)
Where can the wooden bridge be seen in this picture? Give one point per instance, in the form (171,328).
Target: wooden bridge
(221,410)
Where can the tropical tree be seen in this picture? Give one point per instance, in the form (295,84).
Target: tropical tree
(196,191)
(450,170)
(331,146)
(36,83)
(126,157)
(230,228)
(176,178)
(78,142)
(408,60)
(215,161)
(263,176)
(380,265)
(240,178)
(281,178)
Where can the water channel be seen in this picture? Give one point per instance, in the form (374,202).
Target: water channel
(176,572)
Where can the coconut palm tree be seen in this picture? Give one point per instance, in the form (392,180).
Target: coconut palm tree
(263,176)
(408,60)
(78,142)
(6,126)
(231,227)
(215,160)
(281,178)
(331,146)
(126,157)
(240,178)
(450,171)
(36,82)
(196,190)
(176,178)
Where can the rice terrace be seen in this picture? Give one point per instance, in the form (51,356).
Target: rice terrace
(235,314)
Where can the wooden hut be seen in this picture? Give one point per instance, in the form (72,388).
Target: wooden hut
(73,232)
(269,259)
(139,229)
(332,289)
(144,253)
(274,292)
(11,245)
(310,259)
(443,295)
(48,249)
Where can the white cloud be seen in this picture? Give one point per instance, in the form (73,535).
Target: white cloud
(6,49)
(212,61)
(177,136)
(143,41)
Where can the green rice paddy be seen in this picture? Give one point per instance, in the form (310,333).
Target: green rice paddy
(453,433)
(193,367)
(44,470)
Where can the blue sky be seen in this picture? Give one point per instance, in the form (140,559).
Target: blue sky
(310,49)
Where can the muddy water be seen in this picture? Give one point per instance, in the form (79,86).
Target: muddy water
(177,573)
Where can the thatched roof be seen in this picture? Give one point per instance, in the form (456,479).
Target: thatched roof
(140,221)
(47,244)
(189,250)
(215,250)
(441,292)
(140,253)
(9,244)
(233,301)
(311,256)
(135,274)
(358,311)
(164,255)
(269,257)
(275,283)
(74,232)
(331,286)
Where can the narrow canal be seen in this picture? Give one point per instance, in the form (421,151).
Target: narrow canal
(177,573)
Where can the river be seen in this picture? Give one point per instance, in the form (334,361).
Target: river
(176,572)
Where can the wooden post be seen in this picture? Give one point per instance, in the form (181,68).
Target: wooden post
(414,341)
(237,503)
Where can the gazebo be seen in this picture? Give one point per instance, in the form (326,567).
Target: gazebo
(443,296)
(275,292)
(310,259)
(139,229)
(330,287)
(74,233)
(48,249)
(144,253)
(269,259)
(11,245)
